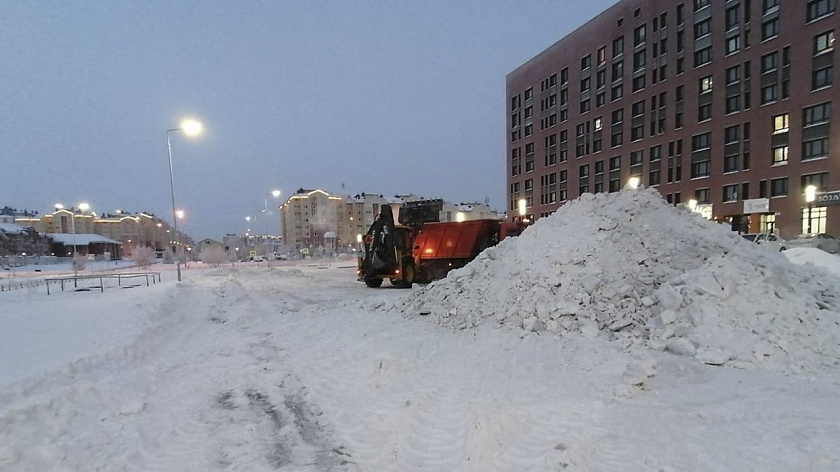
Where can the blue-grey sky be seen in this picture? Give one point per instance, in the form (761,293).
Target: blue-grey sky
(381,97)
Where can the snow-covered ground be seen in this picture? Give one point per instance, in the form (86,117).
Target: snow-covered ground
(303,368)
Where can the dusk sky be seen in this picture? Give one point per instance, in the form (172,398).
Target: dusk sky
(358,96)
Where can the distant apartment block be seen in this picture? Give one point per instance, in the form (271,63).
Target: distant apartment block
(310,217)
(724,102)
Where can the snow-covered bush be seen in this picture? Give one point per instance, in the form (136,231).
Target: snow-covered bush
(143,256)
(214,256)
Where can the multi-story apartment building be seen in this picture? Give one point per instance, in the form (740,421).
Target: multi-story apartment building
(697,98)
(131,230)
(308,215)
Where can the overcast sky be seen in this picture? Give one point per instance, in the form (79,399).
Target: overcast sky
(381,97)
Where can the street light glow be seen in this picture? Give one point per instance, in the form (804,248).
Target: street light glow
(810,193)
(84,206)
(275,193)
(692,204)
(192,127)
(633,183)
(180,214)
(523,207)
(59,206)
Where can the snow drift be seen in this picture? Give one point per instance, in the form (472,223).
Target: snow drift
(629,266)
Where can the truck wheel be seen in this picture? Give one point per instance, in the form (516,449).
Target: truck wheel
(373,282)
(408,276)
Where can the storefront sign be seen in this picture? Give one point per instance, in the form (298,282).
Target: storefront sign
(757,205)
(705,210)
(828,198)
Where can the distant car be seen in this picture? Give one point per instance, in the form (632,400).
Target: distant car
(281,257)
(822,241)
(259,259)
(767,240)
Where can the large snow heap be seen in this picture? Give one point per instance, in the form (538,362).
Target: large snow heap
(628,265)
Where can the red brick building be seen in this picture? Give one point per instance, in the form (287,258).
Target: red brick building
(725,102)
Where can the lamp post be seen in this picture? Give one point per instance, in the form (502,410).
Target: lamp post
(190,128)
(275,194)
(810,196)
(178,243)
(523,209)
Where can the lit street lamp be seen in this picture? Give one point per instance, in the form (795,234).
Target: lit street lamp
(810,196)
(275,194)
(190,128)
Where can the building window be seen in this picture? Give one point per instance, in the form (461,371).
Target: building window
(706,84)
(733,75)
(779,187)
(769,6)
(529,94)
(700,169)
(819,8)
(586,62)
(703,28)
(821,78)
(639,36)
(618,47)
(769,94)
(698,4)
(638,60)
(730,163)
(529,184)
(529,130)
(816,115)
(780,123)
(780,155)
(732,17)
(638,83)
(815,149)
(732,134)
(770,29)
(769,62)
(823,42)
(701,142)
(730,193)
(702,195)
(733,44)
(704,112)
(733,104)
(703,56)
(584,106)
(819,180)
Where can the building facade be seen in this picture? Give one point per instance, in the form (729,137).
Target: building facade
(697,99)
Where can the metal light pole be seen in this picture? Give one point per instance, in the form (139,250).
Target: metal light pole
(190,128)
(810,196)
(275,194)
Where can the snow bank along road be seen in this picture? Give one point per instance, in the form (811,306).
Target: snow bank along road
(249,369)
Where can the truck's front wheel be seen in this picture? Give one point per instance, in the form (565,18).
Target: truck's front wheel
(373,282)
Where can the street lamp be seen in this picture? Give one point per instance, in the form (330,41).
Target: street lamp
(180,215)
(275,194)
(810,196)
(190,127)
(633,183)
(523,209)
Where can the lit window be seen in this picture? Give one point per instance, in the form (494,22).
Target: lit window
(780,124)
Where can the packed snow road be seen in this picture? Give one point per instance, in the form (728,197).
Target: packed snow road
(250,369)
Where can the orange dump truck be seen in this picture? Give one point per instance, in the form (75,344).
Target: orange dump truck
(441,247)
(422,249)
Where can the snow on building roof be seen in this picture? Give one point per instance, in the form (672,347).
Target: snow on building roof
(12,228)
(81,239)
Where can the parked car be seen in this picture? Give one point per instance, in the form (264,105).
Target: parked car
(822,241)
(767,240)
(259,259)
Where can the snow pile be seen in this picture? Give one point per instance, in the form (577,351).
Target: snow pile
(629,266)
